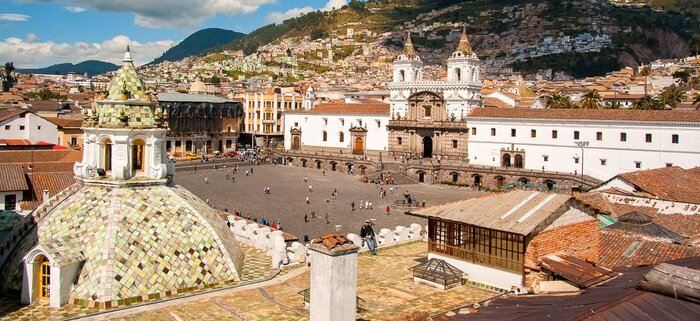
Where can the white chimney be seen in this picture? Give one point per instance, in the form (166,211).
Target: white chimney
(333,279)
(45,195)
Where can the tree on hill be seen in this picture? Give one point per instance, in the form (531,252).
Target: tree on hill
(591,100)
(7,79)
(648,103)
(694,44)
(672,96)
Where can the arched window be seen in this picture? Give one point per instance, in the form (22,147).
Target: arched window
(325,136)
(44,278)
(138,149)
(402,75)
(458,74)
(107,155)
(341,137)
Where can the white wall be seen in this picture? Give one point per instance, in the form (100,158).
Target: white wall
(313,125)
(18,195)
(484,149)
(483,274)
(35,129)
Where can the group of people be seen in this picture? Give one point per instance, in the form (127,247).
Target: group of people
(263,221)
(361,205)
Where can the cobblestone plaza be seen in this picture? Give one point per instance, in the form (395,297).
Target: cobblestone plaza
(287,200)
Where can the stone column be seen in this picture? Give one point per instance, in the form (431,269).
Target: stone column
(333,294)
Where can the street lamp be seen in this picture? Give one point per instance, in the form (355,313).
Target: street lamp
(582,144)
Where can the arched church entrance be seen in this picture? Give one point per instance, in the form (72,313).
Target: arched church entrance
(359,147)
(427,147)
(506,160)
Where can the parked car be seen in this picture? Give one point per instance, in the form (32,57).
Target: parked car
(191,156)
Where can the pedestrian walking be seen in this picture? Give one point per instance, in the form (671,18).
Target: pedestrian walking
(369,205)
(352,205)
(307,200)
(388,210)
(233,179)
(368,236)
(361,204)
(246,173)
(306,218)
(206,180)
(311,188)
(313,213)
(327,221)
(324,172)
(305,179)
(207,201)
(251,170)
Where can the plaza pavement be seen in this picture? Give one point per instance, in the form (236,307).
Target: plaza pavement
(288,193)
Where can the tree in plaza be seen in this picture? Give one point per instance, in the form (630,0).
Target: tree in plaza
(672,96)
(591,100)
(558,100)
(7,78)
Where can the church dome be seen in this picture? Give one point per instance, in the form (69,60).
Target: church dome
(129,242)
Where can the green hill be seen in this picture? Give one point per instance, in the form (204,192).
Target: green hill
(510,31)
(198,43)
(91,67)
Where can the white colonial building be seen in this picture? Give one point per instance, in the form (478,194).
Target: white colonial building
(22,125)
(344,128)
(602,142)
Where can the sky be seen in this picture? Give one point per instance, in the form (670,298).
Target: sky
(39,33)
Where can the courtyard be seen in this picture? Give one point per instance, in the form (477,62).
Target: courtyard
(287,200)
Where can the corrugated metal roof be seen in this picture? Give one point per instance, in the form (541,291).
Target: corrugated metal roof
(516,212)
(12,178)
(578,271)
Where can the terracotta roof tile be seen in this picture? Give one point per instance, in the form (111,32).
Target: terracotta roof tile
(6,114)
(495,103)
(663,183)
(29,156)
(347,109)
(621,249)
(54,182)
(589,114)
(12,178)
(66,122)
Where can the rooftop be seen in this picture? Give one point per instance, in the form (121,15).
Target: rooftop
(191,98)
(690,116)
(620,249)
(663,183)
(517,211)
(379,109)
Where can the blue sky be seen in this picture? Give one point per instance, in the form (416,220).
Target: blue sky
(35,33)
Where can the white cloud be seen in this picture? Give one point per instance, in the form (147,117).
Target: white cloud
(14,17)
(279,17)
(170,13)
(29,53)
(76,9)
(31,37)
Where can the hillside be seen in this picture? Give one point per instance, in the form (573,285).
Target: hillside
(576,37)
(198,43)
(91,67)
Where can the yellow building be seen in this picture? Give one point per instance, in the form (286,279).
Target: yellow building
(263,113)
(70,133)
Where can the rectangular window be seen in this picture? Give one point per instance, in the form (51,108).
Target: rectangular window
(545,158)
(493,131)
(669,164)
(648,138)
(533,133)
(21,127)
(38,127)
(74,141)
(577,135)
(7,127)
(576,160)
(603,162)
(623,137)
(555,134)
(599,136)
(399,140)
(637,164)
(473,130)
(674,139)
(454,143)
(512,132)
(296,124)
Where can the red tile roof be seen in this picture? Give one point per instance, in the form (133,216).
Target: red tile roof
(347,109)
(590,114)
(15,142)
(54,182)
(12,178)
(620,249)
(66,122)
(663,183)
(29,156)
(6,114)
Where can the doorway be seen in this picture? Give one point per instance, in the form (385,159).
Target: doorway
(477,181)
(455,177)
(359,147)
(506,160)
(107,164)
(518,161)
(421,177)
(500,181)
(427,147)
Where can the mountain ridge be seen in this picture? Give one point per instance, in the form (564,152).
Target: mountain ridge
(198,43)
(91,67)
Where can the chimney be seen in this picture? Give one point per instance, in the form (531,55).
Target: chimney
(333,294)
(45,195)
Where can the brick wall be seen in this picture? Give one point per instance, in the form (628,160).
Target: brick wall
(579,239)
